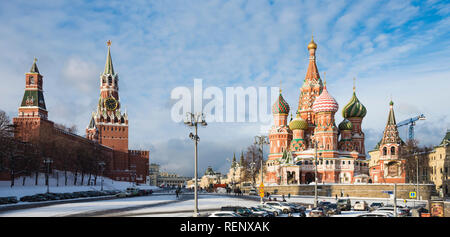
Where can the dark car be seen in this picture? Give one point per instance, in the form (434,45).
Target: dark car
(51,196)
(375,205)
(8,200)
(38,198)
(344,204)
(298,209)
(333,209)
(257,210)
(239,210)
(318,212)
(324,203)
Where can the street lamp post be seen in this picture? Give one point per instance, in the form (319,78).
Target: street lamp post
(315,173)
(261,141)
(192,120)
(48,161)
(102,165)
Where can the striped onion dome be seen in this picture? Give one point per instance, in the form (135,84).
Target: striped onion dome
(280,106)
(298,123)
(345,125)
(325,103)
(354,108)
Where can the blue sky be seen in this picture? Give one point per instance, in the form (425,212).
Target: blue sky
(398,48)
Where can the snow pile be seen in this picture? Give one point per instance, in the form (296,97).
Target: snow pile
(57,185)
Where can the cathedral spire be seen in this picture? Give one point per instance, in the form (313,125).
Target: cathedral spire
(109,69)
(391,134)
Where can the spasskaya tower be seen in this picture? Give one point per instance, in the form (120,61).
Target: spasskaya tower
(108,125)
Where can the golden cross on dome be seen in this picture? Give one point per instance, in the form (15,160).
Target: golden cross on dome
(325,78)
(280,86)
(354,82)
(108,43)
(35,59)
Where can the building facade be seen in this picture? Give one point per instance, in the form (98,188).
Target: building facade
(388,165)
(340,149)
(427,166)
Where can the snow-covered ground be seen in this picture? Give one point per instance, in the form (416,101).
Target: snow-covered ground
(57,185)
(170,208)
(182,208)
(81,207)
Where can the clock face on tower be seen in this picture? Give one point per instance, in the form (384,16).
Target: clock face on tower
(110,104)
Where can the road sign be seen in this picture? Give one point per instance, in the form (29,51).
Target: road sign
(412,195)
(261,190)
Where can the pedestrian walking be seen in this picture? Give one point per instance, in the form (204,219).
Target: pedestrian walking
(336,196)
(289,195)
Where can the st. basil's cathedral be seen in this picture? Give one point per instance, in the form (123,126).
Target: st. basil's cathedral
(340,149)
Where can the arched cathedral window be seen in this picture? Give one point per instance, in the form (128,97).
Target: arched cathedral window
(392,150)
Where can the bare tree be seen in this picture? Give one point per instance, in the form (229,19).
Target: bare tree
(252,161)
(6,128)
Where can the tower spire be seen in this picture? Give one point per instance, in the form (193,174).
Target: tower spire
(109,69)
(34,68)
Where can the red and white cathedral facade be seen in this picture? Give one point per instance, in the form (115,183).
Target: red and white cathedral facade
(340,149)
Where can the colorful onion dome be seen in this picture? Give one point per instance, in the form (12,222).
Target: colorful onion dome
(354,108)
(345,125)
(280,106)
(298,124)
(325,103)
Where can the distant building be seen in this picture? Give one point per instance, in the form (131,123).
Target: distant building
(172,179)
(157,178)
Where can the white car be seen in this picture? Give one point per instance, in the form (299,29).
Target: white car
(224,214)
(376,214)
(281,206)
(252,192)
(400,212)
(361,206)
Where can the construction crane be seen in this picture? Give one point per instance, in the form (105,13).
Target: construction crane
(411,122)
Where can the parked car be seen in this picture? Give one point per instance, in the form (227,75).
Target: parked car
(324,203)
(257,212)
(38,198)
(317,212)
(344,204)
(275,211)
(123,194)
(375,205)
(253,192)
(242,211)
(296,208)
(333,209)
(400,212)
(361,206)
(224,214)
(133,191)
(259,209)
(376,214)
(8,200)
(281,205)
